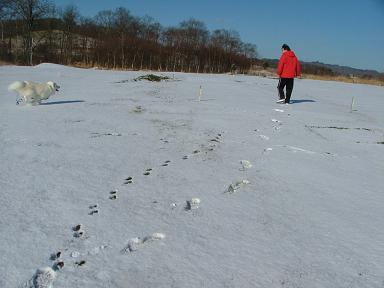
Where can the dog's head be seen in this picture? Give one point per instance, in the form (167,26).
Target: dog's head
(53,85)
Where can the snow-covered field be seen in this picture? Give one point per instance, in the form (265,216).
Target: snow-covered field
(308,213)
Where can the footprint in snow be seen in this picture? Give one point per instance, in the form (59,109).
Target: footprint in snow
(78,231)
(59,264)
(113,195)
(55,256)
(94,209)
(166,163)
(147,172)
(128,180)
(80,263)
(192,204)
(136,242)
(43,278)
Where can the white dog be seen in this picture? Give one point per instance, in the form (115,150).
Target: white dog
(34,93)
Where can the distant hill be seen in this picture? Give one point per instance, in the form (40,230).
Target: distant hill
(346,70)
(323,68)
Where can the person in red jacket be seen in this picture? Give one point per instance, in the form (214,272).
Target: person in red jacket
(287,69)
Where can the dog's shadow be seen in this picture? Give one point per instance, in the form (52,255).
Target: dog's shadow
(62,102)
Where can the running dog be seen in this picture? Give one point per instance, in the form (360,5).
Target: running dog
(33,93)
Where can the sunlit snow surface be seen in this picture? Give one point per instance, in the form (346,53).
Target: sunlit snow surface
(105,172)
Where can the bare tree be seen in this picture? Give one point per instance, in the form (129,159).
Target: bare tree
(88,31)
(4,12)
(70,18)
(122,21)
(28,11)
(195,32)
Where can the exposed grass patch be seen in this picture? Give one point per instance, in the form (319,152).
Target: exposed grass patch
(152,78)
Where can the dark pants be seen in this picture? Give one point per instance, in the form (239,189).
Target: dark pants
(282,83)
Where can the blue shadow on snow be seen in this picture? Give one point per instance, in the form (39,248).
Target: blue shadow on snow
(63,102)
(300,101)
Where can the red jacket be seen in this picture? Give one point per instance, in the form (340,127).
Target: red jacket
(289,65)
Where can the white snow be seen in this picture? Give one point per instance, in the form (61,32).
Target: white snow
(309,213)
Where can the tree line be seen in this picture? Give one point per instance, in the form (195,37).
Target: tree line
(35,31)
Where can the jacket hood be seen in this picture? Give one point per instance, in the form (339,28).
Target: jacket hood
(289,54)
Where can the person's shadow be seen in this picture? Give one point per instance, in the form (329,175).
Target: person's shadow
(62,102)
(301,101)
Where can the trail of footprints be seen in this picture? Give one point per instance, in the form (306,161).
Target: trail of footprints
(206,148)
(45,277)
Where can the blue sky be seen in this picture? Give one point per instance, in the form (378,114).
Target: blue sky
(344,32)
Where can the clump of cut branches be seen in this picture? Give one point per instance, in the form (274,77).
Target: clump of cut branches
(152,78)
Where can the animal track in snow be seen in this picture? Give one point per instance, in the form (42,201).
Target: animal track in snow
(147,172)
(78,231)
(80,263)
(128,180)
(58,266)
(113,195)
(217,139)
(276,121)
(138,109)
(79,234)
(212,143)
(56,255)
(166,163)
(94,209)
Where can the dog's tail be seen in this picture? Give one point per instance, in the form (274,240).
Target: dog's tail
(16,85)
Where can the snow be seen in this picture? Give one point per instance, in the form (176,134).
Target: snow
(306,212)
